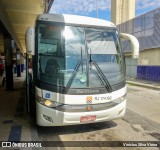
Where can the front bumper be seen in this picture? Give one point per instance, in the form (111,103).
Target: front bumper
(51,117)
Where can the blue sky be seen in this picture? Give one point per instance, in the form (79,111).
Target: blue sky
(87,7)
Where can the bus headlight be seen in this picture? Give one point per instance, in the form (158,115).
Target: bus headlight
(47,102)
(119,100)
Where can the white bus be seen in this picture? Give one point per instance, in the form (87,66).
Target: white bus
(79,74)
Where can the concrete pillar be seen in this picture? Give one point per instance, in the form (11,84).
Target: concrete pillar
(8,63)
(18,62)
(22,62)
(122,10)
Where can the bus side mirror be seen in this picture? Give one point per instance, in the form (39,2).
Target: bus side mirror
(30,40)
(134,44)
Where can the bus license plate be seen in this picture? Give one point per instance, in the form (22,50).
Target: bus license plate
(87,118)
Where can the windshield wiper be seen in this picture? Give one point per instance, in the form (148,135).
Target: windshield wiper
(97,76)
(103,78)
(73,76)
(80,62)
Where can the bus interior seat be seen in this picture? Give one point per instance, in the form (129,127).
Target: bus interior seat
(52,67)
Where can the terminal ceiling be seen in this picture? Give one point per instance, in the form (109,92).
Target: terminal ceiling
(18,15)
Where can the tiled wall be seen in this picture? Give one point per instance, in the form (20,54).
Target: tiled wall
(151,73)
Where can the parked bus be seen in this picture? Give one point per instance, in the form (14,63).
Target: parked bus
(79,69)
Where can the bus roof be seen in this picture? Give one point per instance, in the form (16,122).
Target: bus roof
(74,19)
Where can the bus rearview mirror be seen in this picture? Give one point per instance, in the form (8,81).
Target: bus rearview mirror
(134,44)
(30,41)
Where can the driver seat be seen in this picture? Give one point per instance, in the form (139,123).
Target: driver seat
(52,67)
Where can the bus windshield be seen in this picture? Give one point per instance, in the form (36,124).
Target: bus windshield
(78,57)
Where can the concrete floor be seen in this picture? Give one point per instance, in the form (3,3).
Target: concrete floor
(12,111)
(145,102)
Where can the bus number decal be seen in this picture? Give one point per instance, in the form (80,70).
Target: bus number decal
(103,98)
